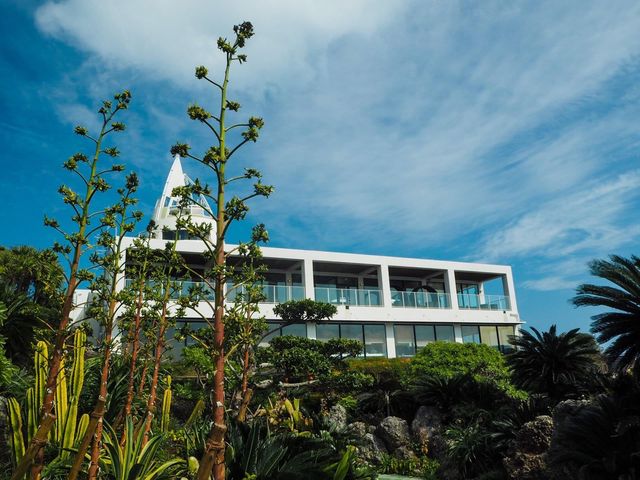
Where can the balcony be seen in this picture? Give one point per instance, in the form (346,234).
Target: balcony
(472,301)
(349,296)
(420,299)
(272,293)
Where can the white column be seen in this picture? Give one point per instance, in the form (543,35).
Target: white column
(385,285)
(450,287)
(311,331)
(509,290)
(391,340)
(307,272)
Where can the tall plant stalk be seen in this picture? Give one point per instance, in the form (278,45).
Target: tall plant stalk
(224,213)
(75,244)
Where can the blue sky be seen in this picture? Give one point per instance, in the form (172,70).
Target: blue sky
(504,132)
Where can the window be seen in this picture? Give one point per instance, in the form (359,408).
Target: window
(375,341)
(351,331)
(272,331)
(489,335)
(470,334)
(295,329)
(424,334)
(444,333)
(405,342)
(327,331)
(503,336)
(468,295)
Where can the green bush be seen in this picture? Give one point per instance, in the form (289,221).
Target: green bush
(388,373)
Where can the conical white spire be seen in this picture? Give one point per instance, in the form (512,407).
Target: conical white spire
(167,204)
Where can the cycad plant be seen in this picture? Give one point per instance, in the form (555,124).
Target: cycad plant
(620,324)
(135,460)
(557,365)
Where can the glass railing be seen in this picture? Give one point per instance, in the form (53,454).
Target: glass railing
(349,296)
(489,302)
(420,300)
(272,293)
(181,288)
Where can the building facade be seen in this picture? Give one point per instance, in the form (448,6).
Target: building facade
(393,305)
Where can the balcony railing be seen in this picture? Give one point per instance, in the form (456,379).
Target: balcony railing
(183,288)
(272,293)
(349,296)
(421,300)
(489,302)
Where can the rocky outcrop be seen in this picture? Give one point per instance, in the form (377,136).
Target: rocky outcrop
(526,458)
(425,425)
(357,429)
(371,449)
(394,431)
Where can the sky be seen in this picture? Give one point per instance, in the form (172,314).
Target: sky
(499,132)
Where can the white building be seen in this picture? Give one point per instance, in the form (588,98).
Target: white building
(394,305)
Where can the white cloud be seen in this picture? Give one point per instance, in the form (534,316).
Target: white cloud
(167,39)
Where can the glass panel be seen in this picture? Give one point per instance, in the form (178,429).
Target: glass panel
(405,343)
(296,329)
(489,336)
(471,334)
(327,331)
(375,341)
(444,333)
(270,326)
(352,331)
(503,335)
(424,334)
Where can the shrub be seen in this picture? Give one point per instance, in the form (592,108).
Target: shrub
(388,373)
(446,360)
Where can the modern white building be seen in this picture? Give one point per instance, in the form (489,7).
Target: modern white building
(394,305)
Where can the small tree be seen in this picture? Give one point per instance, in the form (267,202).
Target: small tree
(105,306)
(92,176)
(224,212)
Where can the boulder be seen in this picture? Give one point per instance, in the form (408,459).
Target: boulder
(394,431)
(358,429)
(526,458)
(371,449)
(337,417)
(425,424)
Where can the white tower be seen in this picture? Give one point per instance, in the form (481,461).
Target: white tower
(167,206)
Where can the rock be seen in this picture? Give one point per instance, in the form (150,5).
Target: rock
(371,449)
(358,429)
(394,431)
(371,429)
(337,417)
(426,422)
(526,458)
(405,453)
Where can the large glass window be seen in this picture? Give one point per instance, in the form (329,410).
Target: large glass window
(489,335)
(375,341)
(504,331)
(444,333)
(295,329)
(272,331)
(468,295)
(327,331)
(405,342)
(424,334)
(351,331)
(471,334)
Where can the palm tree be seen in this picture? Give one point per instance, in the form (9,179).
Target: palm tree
(558,365)
(621,325)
